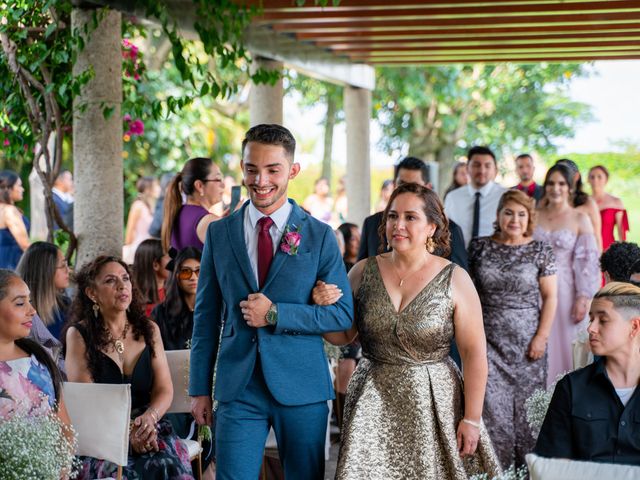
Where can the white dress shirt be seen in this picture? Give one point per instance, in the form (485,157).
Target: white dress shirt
(251,217)
(459,203)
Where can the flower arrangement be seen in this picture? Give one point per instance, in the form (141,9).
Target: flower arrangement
(512,473)
(290,240)
(537,404)
(36,447)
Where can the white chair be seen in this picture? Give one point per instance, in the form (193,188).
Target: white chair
(541,468)
(179,367)
(100,415)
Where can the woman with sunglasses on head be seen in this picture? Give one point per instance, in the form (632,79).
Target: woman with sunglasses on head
(185,224)
(174,315)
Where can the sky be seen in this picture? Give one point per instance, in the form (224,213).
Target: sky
(613,91)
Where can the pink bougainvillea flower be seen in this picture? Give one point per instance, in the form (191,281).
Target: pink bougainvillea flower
(6,142)
(127,117)
(136,127)
(136,76)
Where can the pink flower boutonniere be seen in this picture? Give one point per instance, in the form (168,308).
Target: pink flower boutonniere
(290,240)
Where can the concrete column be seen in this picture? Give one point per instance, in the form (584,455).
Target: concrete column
(357,108)
(97,141)
(265,101)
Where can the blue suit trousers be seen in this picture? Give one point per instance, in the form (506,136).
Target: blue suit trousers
(242,427)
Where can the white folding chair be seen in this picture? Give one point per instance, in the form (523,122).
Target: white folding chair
(100,415)
(179,367)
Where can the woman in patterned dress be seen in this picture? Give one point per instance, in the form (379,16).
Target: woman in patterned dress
(516,280)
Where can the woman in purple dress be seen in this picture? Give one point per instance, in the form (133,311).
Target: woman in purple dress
(571,235)
(185,224)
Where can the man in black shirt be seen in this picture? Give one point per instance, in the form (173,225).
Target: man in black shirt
(594,414)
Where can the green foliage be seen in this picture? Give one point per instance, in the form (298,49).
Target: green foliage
(507,106)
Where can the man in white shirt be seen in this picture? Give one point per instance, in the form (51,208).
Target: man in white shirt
(473,206)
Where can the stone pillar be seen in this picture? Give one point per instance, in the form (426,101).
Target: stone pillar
(357,108)
(265,101)
(97,139)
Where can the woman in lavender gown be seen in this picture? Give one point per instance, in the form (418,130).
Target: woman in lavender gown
(571,235)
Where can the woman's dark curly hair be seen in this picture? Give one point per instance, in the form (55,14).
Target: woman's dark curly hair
(92,328)
(433,210)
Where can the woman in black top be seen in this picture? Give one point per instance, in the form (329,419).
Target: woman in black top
(174,315)
(594,411)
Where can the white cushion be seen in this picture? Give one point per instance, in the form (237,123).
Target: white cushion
(100,416)
(179,367)
(193,448)
(541,468)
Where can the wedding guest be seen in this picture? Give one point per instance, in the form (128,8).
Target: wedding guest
(45,270)
(473,206)
(570,233)
(524,169)
(594,411)
(583,202)
(617,260)
(185,224)
(612,211)
(140,216)
(340,205)
(406,415)
(408,170)
(351,236)
(111,341)
(62,192)
(460,178)
(320,204)
(516,280)
(174,315)
(155,230)
(30,382)
(14,225)
(150,273)
(385,194)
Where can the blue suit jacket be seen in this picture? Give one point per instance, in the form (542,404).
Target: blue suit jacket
(292,353)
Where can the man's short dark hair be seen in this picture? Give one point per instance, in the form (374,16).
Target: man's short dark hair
(524,155)
(271,134)
(618,259)
(480,150)
(413,163)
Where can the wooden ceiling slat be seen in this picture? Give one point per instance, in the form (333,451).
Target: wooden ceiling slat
(563,46)
(309,6)
(462,58)
(468,32)
(340,14)
(570,59)
(520,21)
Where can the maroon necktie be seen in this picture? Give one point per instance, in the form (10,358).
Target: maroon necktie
(265,249)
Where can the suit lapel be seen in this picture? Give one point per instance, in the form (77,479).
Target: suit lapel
(297,218)
(235,229)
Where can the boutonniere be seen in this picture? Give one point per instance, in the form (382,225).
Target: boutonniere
(290,240)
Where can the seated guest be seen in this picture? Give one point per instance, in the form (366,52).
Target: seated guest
(150,273)
(30,382)
(14,225)
(174,315)
(45,270)
(351,237)
(593,412)
(110,340)
(460,178)
(617,260)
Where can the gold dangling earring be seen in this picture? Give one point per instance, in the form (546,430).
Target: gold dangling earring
(430,244)
(96,310)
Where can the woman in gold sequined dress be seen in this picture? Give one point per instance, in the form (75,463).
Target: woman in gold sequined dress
(407,415)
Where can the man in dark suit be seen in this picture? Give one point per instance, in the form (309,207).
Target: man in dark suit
(409,170)
(524,169)
(63,197)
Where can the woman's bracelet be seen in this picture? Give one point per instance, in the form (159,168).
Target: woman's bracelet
(155,413)
(472,423)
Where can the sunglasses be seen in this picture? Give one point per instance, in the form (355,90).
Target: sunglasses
(185,273)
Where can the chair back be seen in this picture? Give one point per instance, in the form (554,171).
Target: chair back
(100,415)
(179,367)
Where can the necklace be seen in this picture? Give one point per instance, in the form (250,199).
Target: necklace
(402,279)
(118,343)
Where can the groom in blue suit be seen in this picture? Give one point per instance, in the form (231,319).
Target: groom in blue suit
(253,322)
